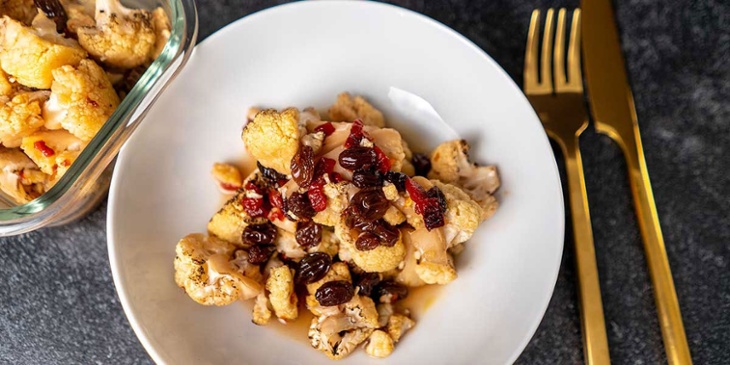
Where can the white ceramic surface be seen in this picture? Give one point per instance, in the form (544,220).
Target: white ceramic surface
(304,54)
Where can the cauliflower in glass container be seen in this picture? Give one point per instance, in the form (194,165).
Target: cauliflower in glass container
(340,225)
(65,65)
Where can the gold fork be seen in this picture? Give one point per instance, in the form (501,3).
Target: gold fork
(560,106)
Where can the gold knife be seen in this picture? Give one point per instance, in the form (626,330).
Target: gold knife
(614,114)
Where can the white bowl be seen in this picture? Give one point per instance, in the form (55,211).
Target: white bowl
(303,54)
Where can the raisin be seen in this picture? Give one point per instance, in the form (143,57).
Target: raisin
(254,207)
(369,204)
(398,179)
(302,166)
(54,11)
(431,206)
(364,178)
(271,176)
(390,292)
(334,293)
(300,207)
(308,234)
(433,217)
(421,163)
(259,234)
(367,241)
(387,234)
(366,282)
(259,254)
(313,267)
(358,157)
(437,194)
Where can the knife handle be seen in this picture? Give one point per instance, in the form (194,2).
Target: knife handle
(670,318)
(595,343)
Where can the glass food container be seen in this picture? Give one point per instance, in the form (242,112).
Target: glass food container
(87,180)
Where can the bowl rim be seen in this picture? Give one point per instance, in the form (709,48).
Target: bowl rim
(114,262)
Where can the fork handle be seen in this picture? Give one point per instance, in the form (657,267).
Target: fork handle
(670,317)
(595,343)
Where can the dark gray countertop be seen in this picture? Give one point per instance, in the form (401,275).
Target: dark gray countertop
(57,299)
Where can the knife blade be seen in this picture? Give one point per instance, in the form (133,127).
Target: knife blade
(614,114)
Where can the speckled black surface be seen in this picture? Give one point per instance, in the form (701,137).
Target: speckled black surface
(57,299)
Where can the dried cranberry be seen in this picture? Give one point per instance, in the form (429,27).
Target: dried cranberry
(367,241)
(275,199)
(369,204)
(356,134)
(431,207)
(358,157)
(271,176)
(326,128)
(308,234)
(313,267)
(421,163)
(259,234)
(259,254)
(254,207)
(300,207)
(54,11)
(254,186)
(366,282)
(388,234)
(383,160)
(324,166)
(44,149)
(365,178)
(317,197)
(334,293)
(398,179)
(390,292)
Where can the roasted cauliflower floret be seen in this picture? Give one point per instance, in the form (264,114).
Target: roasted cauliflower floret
(338,334)
(228,177)
(280,285)
(204,270)
(379,345)
(162,27)
(450,164)
(273,138)
(338,197)
(80,13)
(380,259)
(7,88)
(398,324)
(122,37)
(329,244)
(347,109)
(30,54)
(20,178)
(407,274)
(52,151)
(230,221)
(20,117)
(22,10)
(82,99)
(261,312)
(462,216)
(434,265)
(286,244)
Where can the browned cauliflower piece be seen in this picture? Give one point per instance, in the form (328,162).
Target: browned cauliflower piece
(7,88)
(31,54)
(398,324)
(379,345)
(20,178)
(329,244)
(21,116)
(162,27)
(228,177)
(80,13)
(434,265)
(286,244)
(462,216)
(261,312)
(280,285)
(22,10)
(82,99)
(338,333)
(380,259)
(407,274)
(204,270)
(273,138)
(230,221)
(122,37)
(347,109)
(450,164)
(52,151)
(338,197)
(393,216)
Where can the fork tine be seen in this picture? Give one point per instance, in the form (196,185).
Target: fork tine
(530,82)
(547,48)
(559,53)
(574,75)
